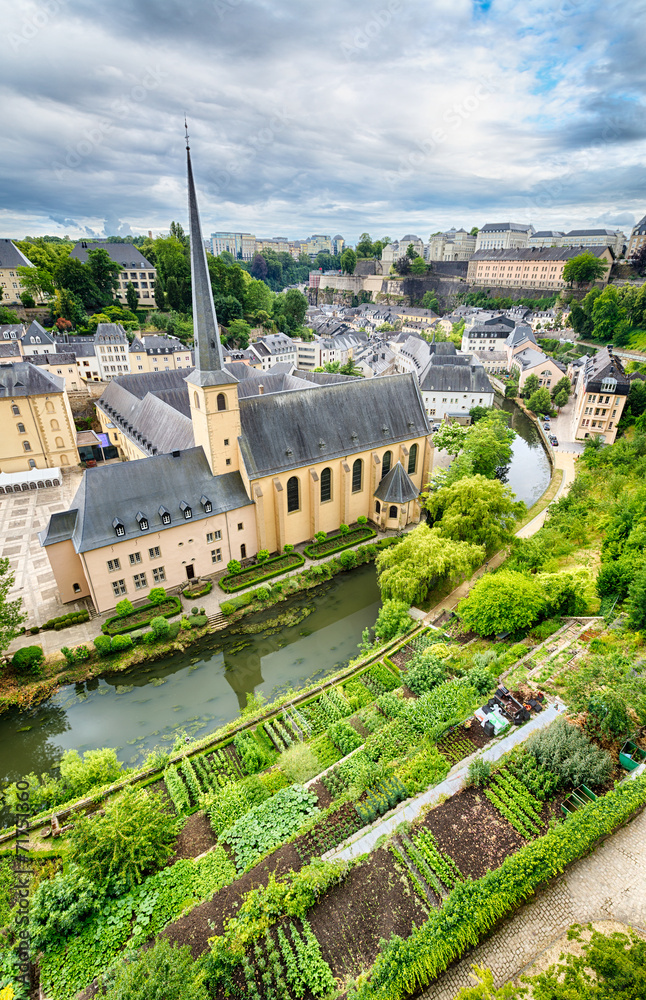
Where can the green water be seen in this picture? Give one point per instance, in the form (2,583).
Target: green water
(197,691)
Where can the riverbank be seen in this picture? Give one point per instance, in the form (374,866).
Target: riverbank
(15,693)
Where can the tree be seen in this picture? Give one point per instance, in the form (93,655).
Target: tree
(36,280)
(365,246)
(164,970)
(580,322)
(418,266)
(408,570)
(259,268)
(27,300)
(429,301)
(583,268)
(488,444)
(637,600)
(124,608)
(393,619)
(131,297)
(11,614)
(81,774)
(607,314)
(532,383)
(563,385)
(450,438)
(474,231)
(104,272)
(540,401)
(76,277)
(173,294)
(411,252)
(258,297)
(476,509)
(505,601)
(561,398)
(239,334)
(134,836)
(160,295)
(348,261)
(294,308)
(402,265)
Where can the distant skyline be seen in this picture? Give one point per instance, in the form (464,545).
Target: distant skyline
(405,116)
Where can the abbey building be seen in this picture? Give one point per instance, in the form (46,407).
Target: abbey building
(227,460)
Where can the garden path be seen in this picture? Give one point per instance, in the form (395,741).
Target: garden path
(454,782)
(607,885)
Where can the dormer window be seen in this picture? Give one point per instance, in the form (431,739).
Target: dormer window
(206,504)
(142,521)
(119,527)
(186,510)
(165,515)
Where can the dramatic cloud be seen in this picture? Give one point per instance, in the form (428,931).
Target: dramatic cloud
(400,116)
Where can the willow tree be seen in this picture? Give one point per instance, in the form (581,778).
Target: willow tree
(408,571)
(476,509)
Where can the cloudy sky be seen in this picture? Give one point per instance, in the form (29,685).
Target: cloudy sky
(321,116)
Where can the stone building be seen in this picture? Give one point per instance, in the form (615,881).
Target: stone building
(227,460)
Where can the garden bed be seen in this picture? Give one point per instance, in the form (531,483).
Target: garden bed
(167,608)
(261,571)
(338,542)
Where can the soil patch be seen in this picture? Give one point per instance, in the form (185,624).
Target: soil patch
(472,832)
(196,838)
(207,919)
(375,901)
(402,656)
(324,797)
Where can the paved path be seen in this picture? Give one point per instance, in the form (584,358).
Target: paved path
(610,884)
(454,782)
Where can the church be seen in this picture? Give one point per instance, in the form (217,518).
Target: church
(224,460)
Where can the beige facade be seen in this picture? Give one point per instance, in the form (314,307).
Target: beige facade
(600,396)
(637,238)
(528,269)
(36,430)
(130,568)
(147,356)
(546,370)
(63,365)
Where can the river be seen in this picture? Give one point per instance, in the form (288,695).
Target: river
(199,690)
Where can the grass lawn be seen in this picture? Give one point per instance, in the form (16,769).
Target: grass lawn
(637,340)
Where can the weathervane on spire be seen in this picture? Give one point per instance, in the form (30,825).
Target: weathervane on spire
(186,130)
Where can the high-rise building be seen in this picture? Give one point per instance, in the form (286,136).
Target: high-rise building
(242,246)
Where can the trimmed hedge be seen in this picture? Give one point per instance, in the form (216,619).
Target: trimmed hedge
(64,621)
(233,582)
(206,589)
(119,624)
(320,549)
(472,909)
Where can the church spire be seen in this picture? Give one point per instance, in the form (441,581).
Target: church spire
(208,349)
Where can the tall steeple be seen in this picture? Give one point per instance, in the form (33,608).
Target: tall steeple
(208,349)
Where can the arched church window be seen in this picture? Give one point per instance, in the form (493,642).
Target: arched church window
(222,401)
(393,511)
(55,425)
(378,507)
(49,407)
(326,485)
(386,463)
(293,498)
(59,442)
(357,476)
(412,459)
(196,400)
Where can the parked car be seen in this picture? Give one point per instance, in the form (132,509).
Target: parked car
(554,441)
(546,427)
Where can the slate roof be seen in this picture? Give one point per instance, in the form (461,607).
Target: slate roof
(7,329)
(396,487)
(640,228)
(121,253)
(36,334)
(544,233)
(157,345)
(9,349)
(289,430)
(592,232)
(501,227)
(604,364)
(152,409)
(455,378)
(521,332)
(23,379)
(120,491)
(52,359)
(11,256)
(110,333)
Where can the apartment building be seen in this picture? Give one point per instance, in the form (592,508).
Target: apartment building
(637,238)
(112,351)
(242,246)
(11,258)
(503,236)
(36,423)
(600,396)
(529,267)
(150,352)
(455,244)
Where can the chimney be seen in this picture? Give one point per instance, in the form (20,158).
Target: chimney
(261,389)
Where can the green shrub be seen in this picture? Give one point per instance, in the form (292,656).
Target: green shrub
(103,644)
(124,608)
(344,736)
(481,679)
(252,756)
(479,772)
(348,559)
(343,529)
(425,671)
(393,619)
(122,642)
(160,627)
(299,763)
(262,555)
(233,566)
(164,970)
(29,659)
(157,595)
(567,751)
(362,520)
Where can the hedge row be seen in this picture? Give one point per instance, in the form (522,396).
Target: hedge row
(473,908)
(261,572)
(64,621)
(318,550)
(119,624)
